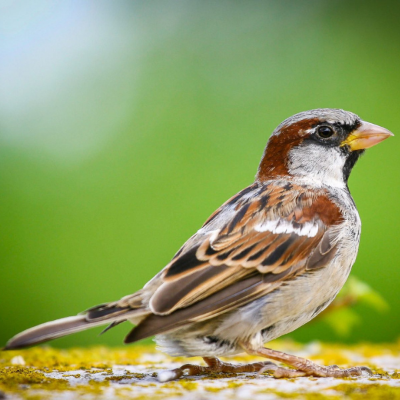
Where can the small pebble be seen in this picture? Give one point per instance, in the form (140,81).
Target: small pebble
(17,360)
(165,376)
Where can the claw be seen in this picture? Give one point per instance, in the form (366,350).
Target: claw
(367,370)
(271,367)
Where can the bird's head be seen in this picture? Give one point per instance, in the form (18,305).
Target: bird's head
(318,146)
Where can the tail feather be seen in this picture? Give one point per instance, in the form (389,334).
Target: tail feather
(66,326)
(51,330)
(109,313)
(112,325)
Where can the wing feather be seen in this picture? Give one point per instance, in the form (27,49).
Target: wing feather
(257,240)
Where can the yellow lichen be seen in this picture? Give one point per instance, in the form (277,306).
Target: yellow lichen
(368,391)
(15,376)
(91,372)
(188,384)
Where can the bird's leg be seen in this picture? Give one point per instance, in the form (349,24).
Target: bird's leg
(213,365)
(303,367)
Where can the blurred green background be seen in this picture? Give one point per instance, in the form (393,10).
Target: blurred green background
(125,124)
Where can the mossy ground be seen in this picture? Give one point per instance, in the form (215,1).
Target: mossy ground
(131,372)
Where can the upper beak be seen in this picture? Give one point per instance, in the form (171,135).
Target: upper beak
(366,135)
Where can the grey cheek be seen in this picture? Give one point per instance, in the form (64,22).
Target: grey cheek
(325,164)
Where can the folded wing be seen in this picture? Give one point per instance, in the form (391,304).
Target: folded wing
(262,237)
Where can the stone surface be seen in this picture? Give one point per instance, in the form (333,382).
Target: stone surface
(131,372)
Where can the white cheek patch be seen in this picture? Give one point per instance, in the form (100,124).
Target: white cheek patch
(317,165)
(309,229)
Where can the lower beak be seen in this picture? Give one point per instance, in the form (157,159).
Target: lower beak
(366,135)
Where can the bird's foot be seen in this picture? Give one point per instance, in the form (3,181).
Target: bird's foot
(303,367)
(214,365)
(315,370)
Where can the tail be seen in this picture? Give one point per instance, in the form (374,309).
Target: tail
(50,330)
(104,314)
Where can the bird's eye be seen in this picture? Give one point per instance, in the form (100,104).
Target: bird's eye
(325,132)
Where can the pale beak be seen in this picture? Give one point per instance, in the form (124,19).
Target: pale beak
(366,135)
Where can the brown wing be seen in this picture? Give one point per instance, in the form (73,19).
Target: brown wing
(258,239)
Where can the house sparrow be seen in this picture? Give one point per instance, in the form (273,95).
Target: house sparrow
(267,261)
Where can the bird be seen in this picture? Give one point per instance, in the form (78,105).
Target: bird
(266,262)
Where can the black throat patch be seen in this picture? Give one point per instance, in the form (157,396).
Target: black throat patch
(351,159)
